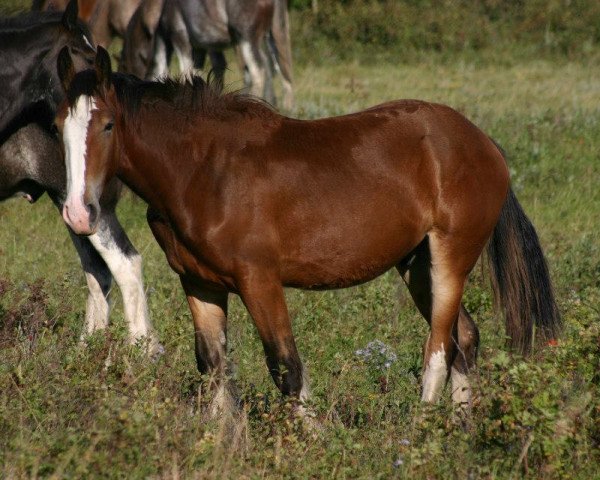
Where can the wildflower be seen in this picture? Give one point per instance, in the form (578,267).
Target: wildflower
(378,354)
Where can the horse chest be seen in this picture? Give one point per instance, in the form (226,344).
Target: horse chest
(183,261)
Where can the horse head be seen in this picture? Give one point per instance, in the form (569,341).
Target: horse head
(137,54)
(85,121)
(74,35)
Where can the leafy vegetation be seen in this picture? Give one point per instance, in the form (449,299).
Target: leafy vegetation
(104,410)
(405,30)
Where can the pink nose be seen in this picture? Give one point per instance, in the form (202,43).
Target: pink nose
(78,217)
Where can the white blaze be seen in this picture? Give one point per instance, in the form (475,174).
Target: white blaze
(74,139)
(75,133)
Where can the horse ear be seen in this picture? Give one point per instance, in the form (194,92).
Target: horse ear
(66,69)
(69,18)
(103,68)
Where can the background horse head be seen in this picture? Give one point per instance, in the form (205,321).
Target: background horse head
(28,76)
(138,52)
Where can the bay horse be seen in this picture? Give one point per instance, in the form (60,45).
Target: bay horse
(246,201)
(31,162)
(193,28)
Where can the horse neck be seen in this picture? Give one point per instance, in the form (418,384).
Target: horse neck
(142,164)
(154,159)
(36,35)
(14,95)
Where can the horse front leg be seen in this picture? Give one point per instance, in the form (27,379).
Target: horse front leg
(98,279)
(209,312)
(125,264)
(262,293)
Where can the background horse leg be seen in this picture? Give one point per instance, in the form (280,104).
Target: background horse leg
(160,59)
(416,272)
(209,312)
(219,65)
(180,40)
(254,60)
(263,296)
(280,35)
(269,69)
(125,263)
(98,278)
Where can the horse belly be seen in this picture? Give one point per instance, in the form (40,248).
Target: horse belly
(349,257)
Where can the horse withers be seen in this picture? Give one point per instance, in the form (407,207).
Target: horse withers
(246,201)
(31,162)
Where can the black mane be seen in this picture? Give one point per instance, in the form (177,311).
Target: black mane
(189,96)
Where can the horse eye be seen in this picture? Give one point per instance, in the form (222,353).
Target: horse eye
(54,129)
(108,127)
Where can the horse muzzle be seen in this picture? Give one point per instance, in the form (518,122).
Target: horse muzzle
(81,217)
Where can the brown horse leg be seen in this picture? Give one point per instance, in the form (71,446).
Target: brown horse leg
(452,258)
(264,298)
(466,335)
(209,312)
(417,274)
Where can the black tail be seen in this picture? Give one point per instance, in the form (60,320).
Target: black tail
(521,280)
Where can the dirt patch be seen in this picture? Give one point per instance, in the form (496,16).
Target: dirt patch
(26,316)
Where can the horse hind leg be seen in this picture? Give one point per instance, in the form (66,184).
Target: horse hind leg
(466,340)
(422,282)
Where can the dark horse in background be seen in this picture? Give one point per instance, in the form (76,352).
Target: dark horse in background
(31,162)
(244,200)
(259,29)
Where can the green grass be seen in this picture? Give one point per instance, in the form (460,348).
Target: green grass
(106,411)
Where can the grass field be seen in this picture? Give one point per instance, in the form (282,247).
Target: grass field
(104,410)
